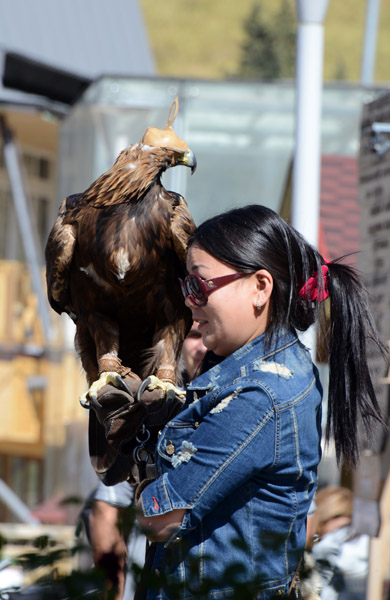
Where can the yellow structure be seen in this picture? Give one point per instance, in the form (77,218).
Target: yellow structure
(39,390)
(39,381)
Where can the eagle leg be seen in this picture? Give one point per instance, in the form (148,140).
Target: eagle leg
(111,362)
(105,333)
(166,373)
(170,346)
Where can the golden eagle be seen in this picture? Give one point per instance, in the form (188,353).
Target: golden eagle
(114,257)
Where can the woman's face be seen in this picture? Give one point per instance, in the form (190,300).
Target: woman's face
(230,318)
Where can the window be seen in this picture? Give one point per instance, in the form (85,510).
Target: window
(36,166)
(44,172)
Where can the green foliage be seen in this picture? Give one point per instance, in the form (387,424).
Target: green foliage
(259,58)
(80,585)
(53,585)
(285,37)
(268,51)
(234,576)
(71,500)
(340,73)
(41,542)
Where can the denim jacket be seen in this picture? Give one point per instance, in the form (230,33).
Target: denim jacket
(242,458)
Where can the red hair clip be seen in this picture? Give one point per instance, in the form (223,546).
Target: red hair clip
(310,291)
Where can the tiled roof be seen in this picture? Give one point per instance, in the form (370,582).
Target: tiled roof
(339,208)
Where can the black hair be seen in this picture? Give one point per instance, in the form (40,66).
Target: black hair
(255,237)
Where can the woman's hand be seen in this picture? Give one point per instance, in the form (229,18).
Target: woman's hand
(160,527)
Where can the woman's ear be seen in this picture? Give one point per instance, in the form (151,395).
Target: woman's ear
(264,285)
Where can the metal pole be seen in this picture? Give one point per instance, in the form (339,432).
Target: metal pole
(369,46)
(26,224)
(309,67)
(15,505)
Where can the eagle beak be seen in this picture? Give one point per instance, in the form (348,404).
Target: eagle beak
(188,159)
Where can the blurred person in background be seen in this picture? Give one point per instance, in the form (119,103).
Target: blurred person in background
(192,354)
(340,554)
(115,539)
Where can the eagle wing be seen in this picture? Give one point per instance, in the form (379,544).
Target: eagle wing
(182,226)
(59,254)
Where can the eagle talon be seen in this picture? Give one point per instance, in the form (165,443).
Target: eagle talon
(154,383)
(120,383)
(89,398)
(146,382)
(85,403)
(95,403)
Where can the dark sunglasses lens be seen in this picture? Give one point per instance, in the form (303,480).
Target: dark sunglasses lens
(195,286)
(195,290)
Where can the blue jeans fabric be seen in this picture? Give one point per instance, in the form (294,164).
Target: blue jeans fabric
(242,459)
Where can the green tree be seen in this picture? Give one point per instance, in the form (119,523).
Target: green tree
(268,50)
(340,72)
(285,25)
(258,54)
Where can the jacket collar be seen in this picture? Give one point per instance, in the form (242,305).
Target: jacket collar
(230,367)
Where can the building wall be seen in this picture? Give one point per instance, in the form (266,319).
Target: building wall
(39,396)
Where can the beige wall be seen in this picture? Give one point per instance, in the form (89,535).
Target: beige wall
(40,387)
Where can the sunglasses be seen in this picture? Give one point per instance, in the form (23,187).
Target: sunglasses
(198,290)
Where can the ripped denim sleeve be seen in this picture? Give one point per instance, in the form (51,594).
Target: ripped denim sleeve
(159,497)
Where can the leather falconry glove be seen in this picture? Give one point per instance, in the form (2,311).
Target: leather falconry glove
(125,420)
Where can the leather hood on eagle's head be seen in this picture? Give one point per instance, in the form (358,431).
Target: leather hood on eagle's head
(167,138)
(140,165)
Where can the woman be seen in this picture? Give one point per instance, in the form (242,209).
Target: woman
(237,466)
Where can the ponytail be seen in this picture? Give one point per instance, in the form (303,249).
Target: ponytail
(351,392)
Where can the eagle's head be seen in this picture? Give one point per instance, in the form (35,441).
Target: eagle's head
(140,166)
